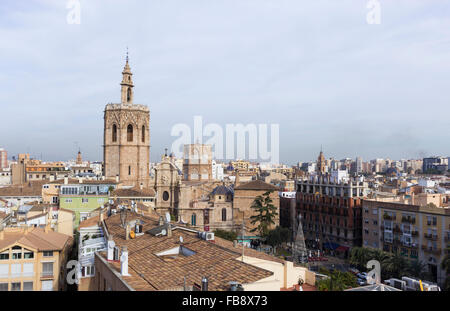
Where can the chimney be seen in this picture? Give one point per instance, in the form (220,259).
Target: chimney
(235,243)
(52,178)
(80,180)
(124,261)
(237,179)
(117,178)
(47,228)
(169,230)
(141,186)
(101,215)
(204,284)
(127,233)
(66,180)
(161,221)
(111,245)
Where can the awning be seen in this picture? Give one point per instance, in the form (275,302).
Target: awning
(330,245)
(342,248)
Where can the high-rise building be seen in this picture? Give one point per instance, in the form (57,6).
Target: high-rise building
(3,158)
(126,150)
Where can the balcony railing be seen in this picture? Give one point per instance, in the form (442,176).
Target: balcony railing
(47,274)
(432,237)
(388,217)
(409,220)
(432,250)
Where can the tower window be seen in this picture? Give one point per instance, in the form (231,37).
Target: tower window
(129,94)
(194,219)
(143,134)
(130,132)
(224,214)
(114,133)
(129,170)
(165,196)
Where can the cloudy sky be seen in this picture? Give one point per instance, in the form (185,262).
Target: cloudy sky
(316,68)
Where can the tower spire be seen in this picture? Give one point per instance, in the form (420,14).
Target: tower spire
(127,84)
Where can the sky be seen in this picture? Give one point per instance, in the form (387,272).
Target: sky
(317,68)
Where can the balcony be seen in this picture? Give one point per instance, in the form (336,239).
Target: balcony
(388,217)
(409,220)
(432,237)
(47,275)
(432,250)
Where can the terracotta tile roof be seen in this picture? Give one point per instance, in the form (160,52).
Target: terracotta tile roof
(37,238)
(150,272)
(256,185)
(90,222)
(33,188)
(133,192)
(73,181)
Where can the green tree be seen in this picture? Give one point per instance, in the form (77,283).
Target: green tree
(227,235)
(416,268)
(278,236)
(265,214)
(396,266)
(336,281)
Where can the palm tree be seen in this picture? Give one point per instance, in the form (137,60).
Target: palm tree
(396,265)
(265,214)
(416,268)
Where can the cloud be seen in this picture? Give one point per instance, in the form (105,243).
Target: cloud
(315,67)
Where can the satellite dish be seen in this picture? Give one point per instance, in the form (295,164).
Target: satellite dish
(111,244)
(181,239)
(167,217)
(163,232)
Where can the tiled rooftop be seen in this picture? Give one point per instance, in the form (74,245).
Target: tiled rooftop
(217,261)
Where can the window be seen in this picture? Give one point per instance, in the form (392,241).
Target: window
(143,134)
(224,214)
(47,268)
(17,252)
(68,200)
(129,170)
(165,195)
(28,269)
(54,200)
(27,286)
(129,132)
(114,133)
(194,219)
(128,92)
(15,287)
(84,200)
(47,285)
(3,287)
(28,254)
(4,255)
(48,253)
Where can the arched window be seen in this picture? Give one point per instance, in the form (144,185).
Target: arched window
(143,134)
(194,219)
(114,133)
(128,94)
(165,195)
(224,214)
(130,132)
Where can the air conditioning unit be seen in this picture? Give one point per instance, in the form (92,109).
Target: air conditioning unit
(209,236)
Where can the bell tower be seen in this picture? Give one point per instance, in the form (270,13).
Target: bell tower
(126,148)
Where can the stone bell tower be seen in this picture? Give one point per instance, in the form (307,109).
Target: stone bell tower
(126,148)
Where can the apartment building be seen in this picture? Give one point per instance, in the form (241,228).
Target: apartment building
(414,231)
(33,259)
(84,196)
(331,212)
